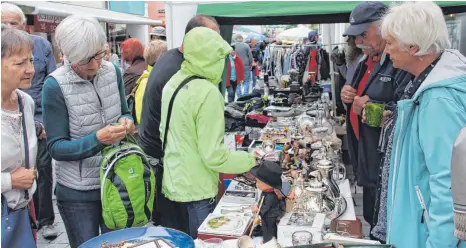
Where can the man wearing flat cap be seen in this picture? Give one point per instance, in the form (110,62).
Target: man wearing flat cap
(375,80)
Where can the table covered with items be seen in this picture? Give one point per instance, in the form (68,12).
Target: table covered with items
(300,136)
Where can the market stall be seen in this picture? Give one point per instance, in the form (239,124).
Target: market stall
(301,138)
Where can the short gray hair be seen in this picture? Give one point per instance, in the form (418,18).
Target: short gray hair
(80,38)
(239,37)
(154,51)
(8,7)
(420,24)
(15,41)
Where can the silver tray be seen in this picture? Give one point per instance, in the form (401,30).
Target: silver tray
(340,207)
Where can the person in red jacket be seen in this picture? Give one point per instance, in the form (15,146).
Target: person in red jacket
(235,75)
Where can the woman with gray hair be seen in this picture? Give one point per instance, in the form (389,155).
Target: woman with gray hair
(417,205)
(81,101)
(19,140)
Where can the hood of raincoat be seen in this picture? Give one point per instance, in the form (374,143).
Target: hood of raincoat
(205,53)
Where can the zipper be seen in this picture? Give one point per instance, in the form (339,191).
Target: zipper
(398,140)
(425,215)
(80,170)
(101,109)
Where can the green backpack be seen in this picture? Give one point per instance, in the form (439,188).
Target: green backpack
(127,186)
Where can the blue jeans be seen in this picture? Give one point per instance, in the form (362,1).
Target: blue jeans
(82,220)
(247,80)
(198,212)
(254,78)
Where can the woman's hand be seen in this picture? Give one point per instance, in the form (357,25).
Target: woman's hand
(129,124)
(23,178)
(111,134)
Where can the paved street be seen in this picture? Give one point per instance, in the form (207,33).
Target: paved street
(62,241)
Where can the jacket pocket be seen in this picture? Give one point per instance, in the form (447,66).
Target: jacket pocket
(424,213)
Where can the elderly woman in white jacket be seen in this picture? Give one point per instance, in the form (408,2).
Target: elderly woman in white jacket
(17,72)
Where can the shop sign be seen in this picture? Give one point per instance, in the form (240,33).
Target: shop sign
(46,23)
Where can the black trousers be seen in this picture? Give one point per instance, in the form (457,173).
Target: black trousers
(43,196)
(368,204)
(269,228)
(232,91)
(167,213)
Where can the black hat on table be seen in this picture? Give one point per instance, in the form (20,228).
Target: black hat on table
(363,15)
(269,173)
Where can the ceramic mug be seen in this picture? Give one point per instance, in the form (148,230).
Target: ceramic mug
(374,114)
(301,238)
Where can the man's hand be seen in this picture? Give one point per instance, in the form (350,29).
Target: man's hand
(347,94)
(128,124)
(42,133)
(359,103)
(254,208)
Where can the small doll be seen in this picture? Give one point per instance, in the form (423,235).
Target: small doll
(268,179)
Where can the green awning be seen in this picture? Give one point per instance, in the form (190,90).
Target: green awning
(274,12)
(282,8)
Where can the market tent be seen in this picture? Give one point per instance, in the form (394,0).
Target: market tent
(290,12)
(294,12)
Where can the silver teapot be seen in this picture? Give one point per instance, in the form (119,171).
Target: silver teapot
(326,168)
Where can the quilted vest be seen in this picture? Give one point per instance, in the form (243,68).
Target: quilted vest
(91,106)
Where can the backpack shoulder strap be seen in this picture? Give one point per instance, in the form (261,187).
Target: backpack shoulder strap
(170,107)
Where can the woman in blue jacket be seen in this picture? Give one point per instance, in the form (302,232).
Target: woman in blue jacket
(418,205)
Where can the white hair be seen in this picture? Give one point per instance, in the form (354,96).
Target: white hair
(420,24)
(8,7)
(80,38)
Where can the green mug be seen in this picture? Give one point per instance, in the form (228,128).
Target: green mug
(374,114)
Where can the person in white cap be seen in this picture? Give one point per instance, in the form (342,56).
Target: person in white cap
(158,33)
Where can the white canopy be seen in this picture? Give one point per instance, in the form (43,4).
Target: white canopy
(296,34)
(64,10)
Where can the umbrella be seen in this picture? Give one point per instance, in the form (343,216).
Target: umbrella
(297,33)
(258,37)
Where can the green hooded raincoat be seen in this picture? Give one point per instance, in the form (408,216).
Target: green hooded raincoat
(195,153)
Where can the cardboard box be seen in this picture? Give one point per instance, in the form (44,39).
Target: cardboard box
(294,222)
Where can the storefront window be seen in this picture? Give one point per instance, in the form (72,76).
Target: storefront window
(116,35)
(456,24)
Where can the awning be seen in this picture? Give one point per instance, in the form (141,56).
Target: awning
(294,12)
(64,10)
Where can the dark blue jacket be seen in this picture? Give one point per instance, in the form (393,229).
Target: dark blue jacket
(386,84)
(44,64)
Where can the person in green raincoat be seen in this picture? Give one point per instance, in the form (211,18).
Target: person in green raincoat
(195,153)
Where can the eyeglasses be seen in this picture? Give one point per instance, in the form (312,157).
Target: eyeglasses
(98,56)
